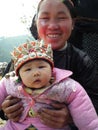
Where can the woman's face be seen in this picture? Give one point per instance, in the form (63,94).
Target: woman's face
(54,23)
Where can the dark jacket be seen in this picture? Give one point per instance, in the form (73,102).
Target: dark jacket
(84,70)
(87,8)
(85,33)
(87,13)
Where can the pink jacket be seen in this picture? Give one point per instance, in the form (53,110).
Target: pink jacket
(64,90)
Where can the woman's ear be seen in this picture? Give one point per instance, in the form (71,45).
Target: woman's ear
(73,24)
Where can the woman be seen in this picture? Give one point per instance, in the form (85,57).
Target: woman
(54,26)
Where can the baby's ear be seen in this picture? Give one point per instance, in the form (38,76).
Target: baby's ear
(52,79)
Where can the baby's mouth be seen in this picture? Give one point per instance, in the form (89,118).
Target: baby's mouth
(37,81)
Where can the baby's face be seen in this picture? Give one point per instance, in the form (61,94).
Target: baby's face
(36,74)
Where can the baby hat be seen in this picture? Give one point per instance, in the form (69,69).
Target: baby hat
(30,51)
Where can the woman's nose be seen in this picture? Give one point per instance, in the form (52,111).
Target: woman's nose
(53,24)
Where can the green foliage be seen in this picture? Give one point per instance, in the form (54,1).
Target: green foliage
(8,43)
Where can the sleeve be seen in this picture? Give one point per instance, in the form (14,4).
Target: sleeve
(9,68)
(82,109)
(3,92)
(86,74)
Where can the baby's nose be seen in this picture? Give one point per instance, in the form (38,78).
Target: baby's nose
(36,73)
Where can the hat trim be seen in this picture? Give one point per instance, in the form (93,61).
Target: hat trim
(19,65)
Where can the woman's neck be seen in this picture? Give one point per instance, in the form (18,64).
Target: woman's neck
(64,47)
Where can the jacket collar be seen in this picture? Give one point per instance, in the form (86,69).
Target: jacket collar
(61,74)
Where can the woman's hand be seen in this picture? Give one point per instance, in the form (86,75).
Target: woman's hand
(12,108)
(56,118)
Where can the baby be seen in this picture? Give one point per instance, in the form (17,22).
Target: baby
(38,84)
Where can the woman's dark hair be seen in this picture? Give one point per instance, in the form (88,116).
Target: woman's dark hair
(33,28)
(71,7)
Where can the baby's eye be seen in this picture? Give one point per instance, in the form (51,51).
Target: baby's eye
(41,67)
(27,69)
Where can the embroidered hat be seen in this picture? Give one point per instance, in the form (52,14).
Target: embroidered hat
(30,51)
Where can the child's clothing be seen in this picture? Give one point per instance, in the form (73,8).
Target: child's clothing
(64,90)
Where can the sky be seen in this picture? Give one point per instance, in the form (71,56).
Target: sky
(12,12)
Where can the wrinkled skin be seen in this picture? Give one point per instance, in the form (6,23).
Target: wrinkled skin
(58,118)
(12,107)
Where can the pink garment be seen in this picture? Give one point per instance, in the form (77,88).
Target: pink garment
(64,90)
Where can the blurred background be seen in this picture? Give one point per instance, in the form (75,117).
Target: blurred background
(15,20)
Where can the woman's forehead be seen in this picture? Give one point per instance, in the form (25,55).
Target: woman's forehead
(50,2)
(52,5)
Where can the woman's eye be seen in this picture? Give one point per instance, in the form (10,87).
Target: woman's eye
(61,18)
(44,18)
